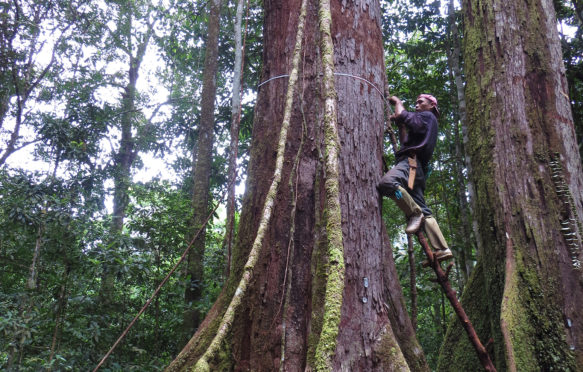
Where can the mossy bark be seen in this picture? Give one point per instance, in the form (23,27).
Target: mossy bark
(335,276)
(277,326)
(528,291)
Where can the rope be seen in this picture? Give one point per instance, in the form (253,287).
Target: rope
(273,78)
(363,79)
(388,107)
(125,332)
(337,74)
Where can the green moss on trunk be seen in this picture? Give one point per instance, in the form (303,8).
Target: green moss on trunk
(525,288)
(335,283)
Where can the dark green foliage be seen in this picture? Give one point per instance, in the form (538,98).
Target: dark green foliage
(71,257)
(62,214)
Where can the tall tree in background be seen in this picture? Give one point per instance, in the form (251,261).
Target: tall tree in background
(528,178)
(454,59)
(133,46)
(235,123)
(201,173)
(277,324)
(570,16)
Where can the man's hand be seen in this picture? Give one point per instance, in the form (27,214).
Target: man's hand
(394,100)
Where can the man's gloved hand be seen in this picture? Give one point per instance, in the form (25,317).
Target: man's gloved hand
(398,194)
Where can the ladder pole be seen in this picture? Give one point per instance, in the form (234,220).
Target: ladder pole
(442,279)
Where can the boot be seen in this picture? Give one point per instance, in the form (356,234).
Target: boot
(442,251)
(411,209)
(414,224)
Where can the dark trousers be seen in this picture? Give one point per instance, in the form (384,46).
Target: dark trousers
(399,176)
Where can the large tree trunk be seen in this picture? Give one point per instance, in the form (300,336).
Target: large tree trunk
(278,325)
(526,292)
(202,159)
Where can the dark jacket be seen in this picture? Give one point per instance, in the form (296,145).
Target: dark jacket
(420,137)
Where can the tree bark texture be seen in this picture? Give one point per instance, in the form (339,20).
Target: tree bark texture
(526,292)
(202,160)
(280,320)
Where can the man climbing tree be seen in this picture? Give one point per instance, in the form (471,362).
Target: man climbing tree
(405,182)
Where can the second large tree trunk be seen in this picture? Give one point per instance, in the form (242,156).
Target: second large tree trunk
(279,323)
(526,292)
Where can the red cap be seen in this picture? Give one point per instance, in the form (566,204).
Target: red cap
(431,99)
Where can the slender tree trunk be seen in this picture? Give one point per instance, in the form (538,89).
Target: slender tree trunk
(27,301)
(201,173)
(19,71)
(157,312)
(60,314)
(126,154)
(526,291)
(17,74)
(467,210)
(461,240)
(272,328)
(31,283)
(235,120)
(121,179)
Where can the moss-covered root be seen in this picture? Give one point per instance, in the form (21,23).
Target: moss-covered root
(335,283)
(203,363)
(389,352)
